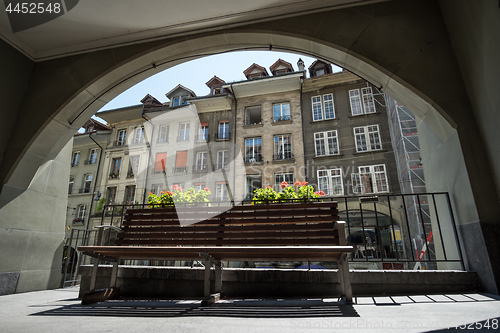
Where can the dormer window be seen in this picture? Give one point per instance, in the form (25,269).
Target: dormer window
(320,71)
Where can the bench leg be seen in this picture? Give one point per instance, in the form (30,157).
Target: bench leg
(218,278)
(93,278)
(114,274)
(345,281)
(206,287)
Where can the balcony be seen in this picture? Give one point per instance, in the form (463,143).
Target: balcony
(200,168)
(84,190)
(179,169)
(281,118)
(119,143)
(223,136)
(87,162)
(283,156)
(203,137)
(253,159)
(114,175)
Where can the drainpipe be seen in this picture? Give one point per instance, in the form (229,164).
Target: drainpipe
(96,178)
(302,121)
(234,140)
(149,155)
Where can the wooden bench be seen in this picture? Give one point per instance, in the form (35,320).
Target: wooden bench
(306,231)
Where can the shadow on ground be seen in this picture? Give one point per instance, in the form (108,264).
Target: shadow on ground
(248,308)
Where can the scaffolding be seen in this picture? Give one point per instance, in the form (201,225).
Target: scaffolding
(403,128)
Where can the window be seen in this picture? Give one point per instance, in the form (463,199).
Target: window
(222,158)
(129,194)
(183,132)
(370,179)
(281,112)
(160,162)
(71,184)
(87,183)
(156,189)
(176,101)
(116,164)
(203,132)
(368,101)
(367,138)
(163,133)
(253,148)
(283,147)
(75,159)
(253,182)
(320,71)
(362,102)
(223,130)
(181,161)
(281,177)
(133,167)
(253,115)
(93,156)
(221,192)
(326,143)
(111,196)
(201,161)
(199,186)
(121,138)
(80,213)
(322,107)
(139,135)
(331,182)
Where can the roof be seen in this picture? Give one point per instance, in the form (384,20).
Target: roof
(180,87)
(254,67)
(215,82)
(281,62)
(148,99)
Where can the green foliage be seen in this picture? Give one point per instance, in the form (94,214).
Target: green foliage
(299,190)
(177,195)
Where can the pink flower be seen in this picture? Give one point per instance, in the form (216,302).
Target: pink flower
(179,188)
(175,187)
(284,184)
(321,193)
(296,183)
(303,183)
(206,189)
(161,192)
(169,193)
(150,193)
(268,186)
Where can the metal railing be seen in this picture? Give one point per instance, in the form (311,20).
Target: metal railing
(389,231)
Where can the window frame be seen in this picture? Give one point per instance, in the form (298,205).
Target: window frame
(75,158)
(255,149)
(221,191)
(283,145)
(184,132)
(116,168)
(319,106)
(224,134)
(284,176)
(334,177)
(163,133)
(121,137)
(326,143)
(363,99)
(130,191)
(365,134)
(368,173)
(204,161)
(225,157)
(282,117)
(93,155)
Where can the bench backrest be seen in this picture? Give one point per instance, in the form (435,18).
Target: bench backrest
(260,225)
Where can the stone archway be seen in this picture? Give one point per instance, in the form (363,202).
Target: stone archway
(416,66)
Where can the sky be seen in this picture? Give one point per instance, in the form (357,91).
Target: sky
(194,74)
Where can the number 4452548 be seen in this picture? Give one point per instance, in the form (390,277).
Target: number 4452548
(34,8)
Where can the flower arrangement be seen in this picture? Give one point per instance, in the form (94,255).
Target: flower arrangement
(178,195)
(299,190)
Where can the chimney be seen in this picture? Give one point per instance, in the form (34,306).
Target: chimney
(300,65)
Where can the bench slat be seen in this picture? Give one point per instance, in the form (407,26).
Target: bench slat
(227,228)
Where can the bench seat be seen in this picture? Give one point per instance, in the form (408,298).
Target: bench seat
(279,232)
